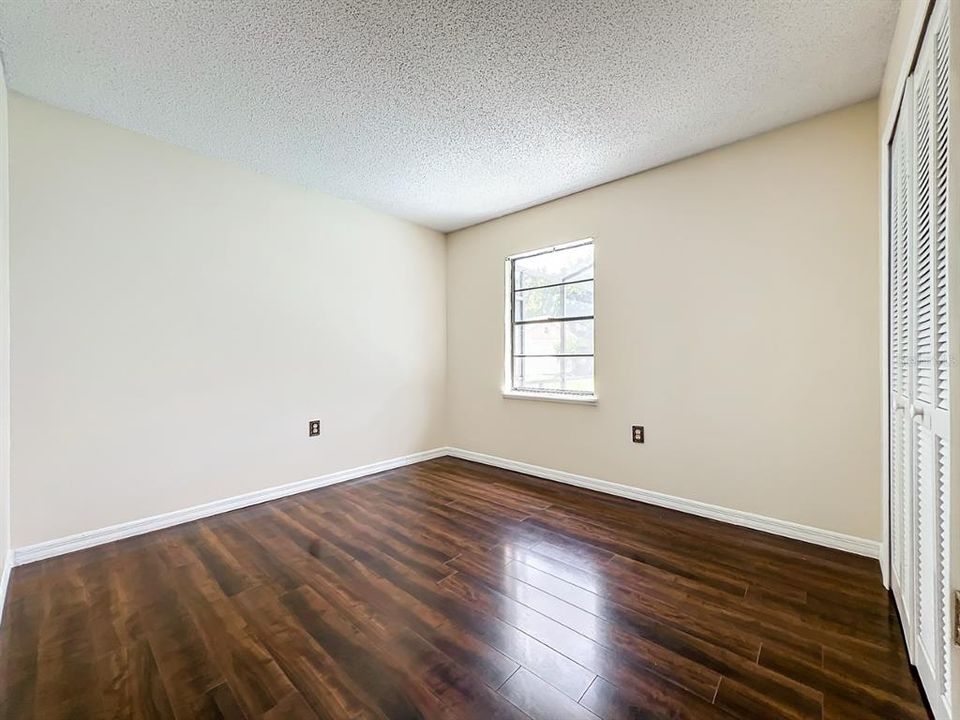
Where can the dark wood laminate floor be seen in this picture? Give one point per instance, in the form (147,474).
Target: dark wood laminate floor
(453,590)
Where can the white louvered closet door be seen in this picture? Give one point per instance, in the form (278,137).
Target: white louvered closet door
(920,419)
(931,402)
(902,491)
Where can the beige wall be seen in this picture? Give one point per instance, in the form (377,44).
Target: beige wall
(177,321)
(737,319)
(4,326)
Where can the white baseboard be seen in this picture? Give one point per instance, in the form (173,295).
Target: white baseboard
(5,580)
(91,538)
(826,538)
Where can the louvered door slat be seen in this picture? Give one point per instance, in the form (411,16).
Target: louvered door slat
(939,211)
(923,273)
(905,186)
(896,267)
(927,539)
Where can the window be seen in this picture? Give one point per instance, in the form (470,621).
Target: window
(550,322)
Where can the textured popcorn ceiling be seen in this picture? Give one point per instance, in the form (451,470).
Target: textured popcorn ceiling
(447,113)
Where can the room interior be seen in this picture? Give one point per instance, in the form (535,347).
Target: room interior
(455,360)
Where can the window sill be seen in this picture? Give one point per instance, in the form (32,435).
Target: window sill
(550,397)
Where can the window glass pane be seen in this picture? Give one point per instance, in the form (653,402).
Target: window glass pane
(554,302)
(578,299)
(536,304)
(554,374)
(575,263)
(553,338)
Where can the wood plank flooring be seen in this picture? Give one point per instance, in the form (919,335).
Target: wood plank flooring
(453,590)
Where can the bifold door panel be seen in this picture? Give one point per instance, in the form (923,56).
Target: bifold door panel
(920,367)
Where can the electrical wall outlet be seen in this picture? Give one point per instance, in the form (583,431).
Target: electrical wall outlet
(315,428)
(638,433)
(956,617)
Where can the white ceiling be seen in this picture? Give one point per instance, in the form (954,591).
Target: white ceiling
(451,112)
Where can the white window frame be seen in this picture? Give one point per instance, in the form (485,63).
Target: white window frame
(509,391)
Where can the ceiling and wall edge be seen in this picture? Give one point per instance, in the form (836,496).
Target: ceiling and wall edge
(683,159)
(449,233)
